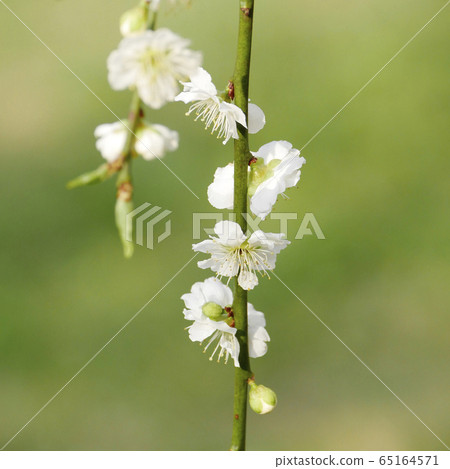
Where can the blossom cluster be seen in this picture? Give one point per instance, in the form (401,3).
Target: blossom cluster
(151,63)
(274,168)
(159,67)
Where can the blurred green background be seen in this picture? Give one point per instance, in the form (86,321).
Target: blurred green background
(376,179)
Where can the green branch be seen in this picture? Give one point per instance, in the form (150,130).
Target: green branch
(241,160)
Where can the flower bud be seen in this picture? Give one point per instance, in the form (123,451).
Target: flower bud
(124,205)
(262,399)
(134,21)
(213,311)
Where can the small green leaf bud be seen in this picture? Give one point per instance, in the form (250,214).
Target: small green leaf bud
(213,311)
(93,177)
(262,399)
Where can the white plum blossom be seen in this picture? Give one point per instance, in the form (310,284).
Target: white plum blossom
(209,107)
(152,62)
(206,295)
(212,109)
(275,169)
(152,140)
(235,254)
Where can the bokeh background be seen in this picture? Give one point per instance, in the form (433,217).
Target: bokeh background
(376,179)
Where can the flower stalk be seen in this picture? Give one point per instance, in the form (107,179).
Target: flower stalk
(124,201)
(242,157)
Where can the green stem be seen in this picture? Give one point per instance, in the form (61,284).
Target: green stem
(241,159)
(124,202)
(134,118)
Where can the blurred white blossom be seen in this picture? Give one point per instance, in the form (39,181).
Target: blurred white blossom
(152,140)
(152,62)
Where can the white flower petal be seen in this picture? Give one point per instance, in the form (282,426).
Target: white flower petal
(221,190)
(207,246)
(111,140)
(247,280)
(199,88)
(257,334)
(153,141)
(209,264)
(198,332)
(256,118)
(231,344)
(255,318)
(273,150)
(229,233)
(213,290)
(257,347)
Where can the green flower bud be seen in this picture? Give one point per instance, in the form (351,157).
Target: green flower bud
(262,399)
(124,205)
(213,311)
(135,20)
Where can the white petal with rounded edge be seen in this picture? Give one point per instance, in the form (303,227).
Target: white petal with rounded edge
(199,331)
(276,150)
(256,118)
(213,290)
(111,140)
(221,190)
(199,88)
(229,233)
(247,280)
